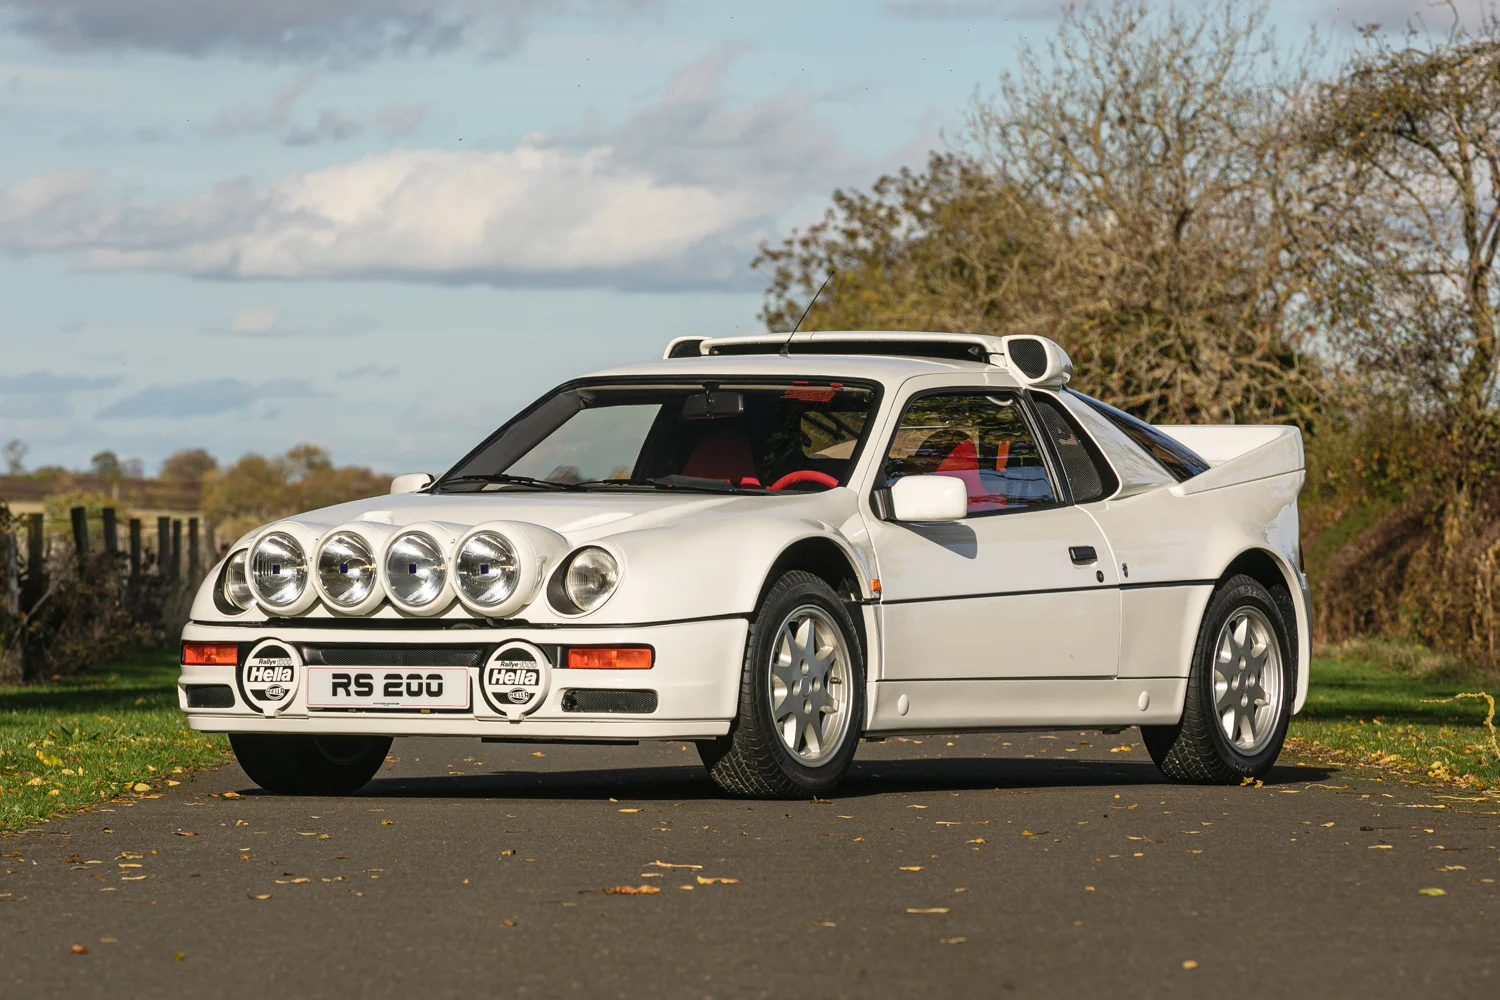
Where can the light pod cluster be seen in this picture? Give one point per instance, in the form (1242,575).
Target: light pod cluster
(493,569)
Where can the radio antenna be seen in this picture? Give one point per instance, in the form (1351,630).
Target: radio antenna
(785,352)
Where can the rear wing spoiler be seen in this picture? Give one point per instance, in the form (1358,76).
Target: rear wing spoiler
(1238,453)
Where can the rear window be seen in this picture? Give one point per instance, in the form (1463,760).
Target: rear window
(1178,459)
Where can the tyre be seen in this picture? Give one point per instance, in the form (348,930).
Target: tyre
(802,697)
(309,765)
(1240,690)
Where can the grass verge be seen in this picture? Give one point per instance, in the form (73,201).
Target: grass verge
(116,731)
(1378,704)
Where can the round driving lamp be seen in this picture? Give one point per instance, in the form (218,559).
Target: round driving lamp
(414,570)
(487,570)
(592,577)
(278,570)
(236,589)
(346,569)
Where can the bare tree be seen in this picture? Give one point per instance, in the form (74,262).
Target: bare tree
(1404,188)
(1156,140)
(14,454)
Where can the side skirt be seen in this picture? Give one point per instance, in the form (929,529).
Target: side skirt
(1037,703)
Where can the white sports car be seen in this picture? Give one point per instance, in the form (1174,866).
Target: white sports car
(773,547)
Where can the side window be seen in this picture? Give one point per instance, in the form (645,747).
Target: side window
(981,439)
(1089,475)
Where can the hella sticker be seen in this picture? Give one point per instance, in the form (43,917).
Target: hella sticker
(514,682)
(268,679)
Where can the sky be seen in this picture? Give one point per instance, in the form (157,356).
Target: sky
(384,226)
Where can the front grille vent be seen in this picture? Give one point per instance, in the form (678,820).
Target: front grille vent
(598,700)
(210,696)
(392,656)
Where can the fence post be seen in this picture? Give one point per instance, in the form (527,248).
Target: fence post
(163,545)
(135,552)
(80,517)
(209,547)
(177,549)
(36,561)
(193,562)
(111,533)
(10,562)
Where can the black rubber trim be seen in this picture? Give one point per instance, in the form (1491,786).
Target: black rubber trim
(1050,590)
(429,624)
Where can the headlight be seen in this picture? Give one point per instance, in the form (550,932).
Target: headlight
(346,569)
(592,576)
(414,569)
(487,569)
(236,583)
(278,569)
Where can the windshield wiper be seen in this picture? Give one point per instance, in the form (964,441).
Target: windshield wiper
(690,483)
(510,480)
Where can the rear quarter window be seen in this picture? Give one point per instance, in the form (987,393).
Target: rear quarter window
(1177,458)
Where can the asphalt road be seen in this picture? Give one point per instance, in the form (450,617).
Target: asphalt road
(1022,864)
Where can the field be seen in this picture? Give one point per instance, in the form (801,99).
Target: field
(114,732)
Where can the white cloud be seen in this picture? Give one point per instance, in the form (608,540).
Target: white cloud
(678,195)
(256,320)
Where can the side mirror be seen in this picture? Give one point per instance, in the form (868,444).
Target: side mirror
(411,482)
(929,498)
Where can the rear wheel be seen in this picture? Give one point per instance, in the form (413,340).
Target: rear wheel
(1240,690)
(309,765)
(801,697)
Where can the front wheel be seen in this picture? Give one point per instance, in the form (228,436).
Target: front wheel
(802,697)
(309,765)
(1240,690)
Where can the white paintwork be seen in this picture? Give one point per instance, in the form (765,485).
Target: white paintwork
(929,498)
(984,622)
(411,482)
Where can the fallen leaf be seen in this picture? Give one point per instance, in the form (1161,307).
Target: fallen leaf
(386,822)
(1431,892)
(819,802)
(1038,833)
(186,833)
(140,786)
(916,807)
(957,940)
(663,864)
(536,753)
(1190,964)
(1327,824)
(507,923)
(821,923)
(629,810)
(1381,847)
(977,840)
(229,795)
(928,909)
(78,949)
(717,881)
(633,890)
(911,868)
(266,895)
(178,956)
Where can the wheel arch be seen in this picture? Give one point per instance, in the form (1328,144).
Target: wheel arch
(1272,571)
(834,564)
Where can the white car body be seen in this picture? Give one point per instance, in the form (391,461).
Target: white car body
(983,623)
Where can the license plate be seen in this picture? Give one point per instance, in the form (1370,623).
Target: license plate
(362,687)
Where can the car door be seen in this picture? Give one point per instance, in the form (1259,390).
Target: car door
(1024,586)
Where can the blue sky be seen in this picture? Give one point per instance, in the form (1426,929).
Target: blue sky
(385,225)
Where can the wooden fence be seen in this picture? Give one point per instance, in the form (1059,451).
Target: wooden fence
(148,582)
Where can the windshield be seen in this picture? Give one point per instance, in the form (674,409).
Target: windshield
(711,436)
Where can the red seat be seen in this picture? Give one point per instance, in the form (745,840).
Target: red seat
(722,452)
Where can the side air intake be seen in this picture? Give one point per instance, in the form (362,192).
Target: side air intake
(1037,361)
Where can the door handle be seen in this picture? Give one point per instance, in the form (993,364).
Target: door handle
(1082,555)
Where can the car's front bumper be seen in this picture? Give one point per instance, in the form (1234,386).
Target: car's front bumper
(695,675)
